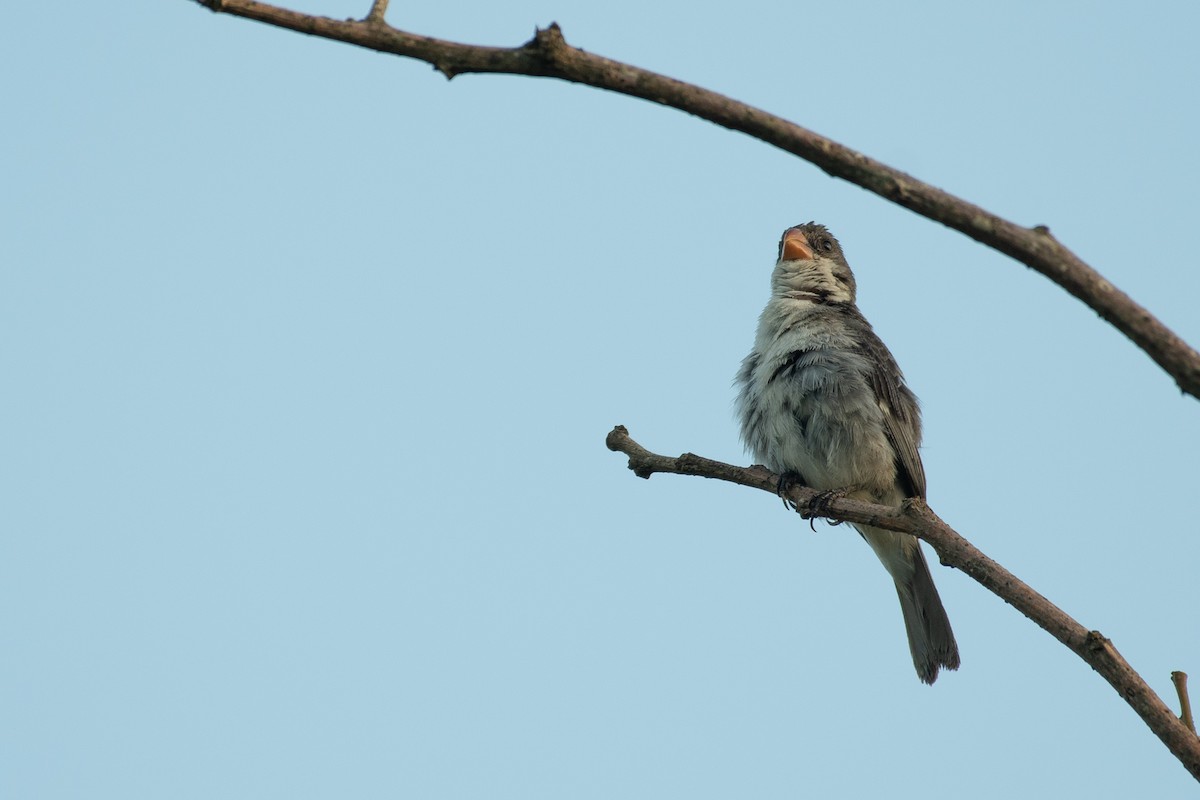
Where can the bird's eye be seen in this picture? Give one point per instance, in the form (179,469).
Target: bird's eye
(827,245)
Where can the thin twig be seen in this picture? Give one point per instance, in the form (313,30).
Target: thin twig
(548,55)
(917,518)
(1185,705)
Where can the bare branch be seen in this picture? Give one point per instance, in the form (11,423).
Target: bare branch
(917,518)
(548,55)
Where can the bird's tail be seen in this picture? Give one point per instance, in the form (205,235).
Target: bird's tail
(930,638)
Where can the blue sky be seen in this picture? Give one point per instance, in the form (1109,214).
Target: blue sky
(309,356)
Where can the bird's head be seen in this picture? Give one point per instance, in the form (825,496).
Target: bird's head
(812,267)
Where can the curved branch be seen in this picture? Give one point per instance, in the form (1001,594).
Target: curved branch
(917,518)
(548,55)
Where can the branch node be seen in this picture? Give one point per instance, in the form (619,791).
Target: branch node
(550,36)
(447,70)
(548,42)
(615,437)
(1185,705)
(1097,641)
(375,15)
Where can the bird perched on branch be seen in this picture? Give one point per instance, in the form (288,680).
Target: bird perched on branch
(823,403)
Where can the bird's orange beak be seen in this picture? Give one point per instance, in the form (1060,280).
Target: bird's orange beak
(795,247)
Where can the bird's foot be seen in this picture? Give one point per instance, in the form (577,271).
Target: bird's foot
(788,480)
(819,505)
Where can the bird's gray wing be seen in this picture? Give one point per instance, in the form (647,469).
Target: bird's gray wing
(901,414)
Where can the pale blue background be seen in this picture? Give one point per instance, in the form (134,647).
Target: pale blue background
(308,357)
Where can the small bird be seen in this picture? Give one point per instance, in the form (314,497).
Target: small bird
(822,402)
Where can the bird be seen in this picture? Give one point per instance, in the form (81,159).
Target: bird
(822,402)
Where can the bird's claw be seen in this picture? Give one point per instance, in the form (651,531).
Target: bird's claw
(819,506)
(787,481)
